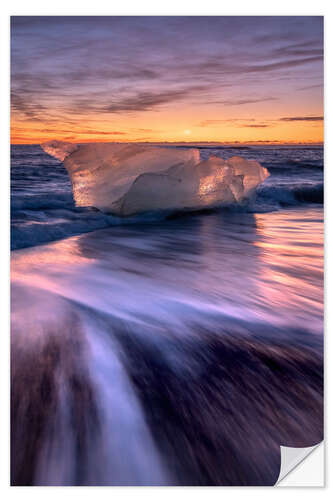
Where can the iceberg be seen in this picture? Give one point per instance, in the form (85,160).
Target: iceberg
(127,179)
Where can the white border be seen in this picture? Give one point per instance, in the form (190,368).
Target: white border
(139,7)
(172,7)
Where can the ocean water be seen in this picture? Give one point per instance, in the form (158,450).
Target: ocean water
(178,351)
(43,209)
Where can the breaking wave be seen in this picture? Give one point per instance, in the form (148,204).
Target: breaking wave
(291,195)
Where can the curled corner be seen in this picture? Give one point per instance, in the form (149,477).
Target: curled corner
(291,458)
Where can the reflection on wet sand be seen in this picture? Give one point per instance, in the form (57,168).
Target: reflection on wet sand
(178,353)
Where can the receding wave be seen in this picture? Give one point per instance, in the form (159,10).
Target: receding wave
(149,355)
(52,223)
(47,226)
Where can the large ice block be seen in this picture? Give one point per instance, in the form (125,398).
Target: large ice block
(126,179)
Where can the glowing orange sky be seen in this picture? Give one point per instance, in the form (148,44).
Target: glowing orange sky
(238,79)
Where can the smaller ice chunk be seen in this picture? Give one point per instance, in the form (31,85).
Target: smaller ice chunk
(127,179)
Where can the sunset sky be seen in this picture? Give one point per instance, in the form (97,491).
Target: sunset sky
(221,79)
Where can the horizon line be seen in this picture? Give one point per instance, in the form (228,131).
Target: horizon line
(175,142)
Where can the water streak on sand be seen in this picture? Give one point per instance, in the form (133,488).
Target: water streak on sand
(181,353)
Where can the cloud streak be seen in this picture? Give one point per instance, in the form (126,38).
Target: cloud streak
(257,126)
(308,87)
(241,102)
(147,101)
(302,119)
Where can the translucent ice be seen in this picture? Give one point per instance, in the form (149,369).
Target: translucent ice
(126,179)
